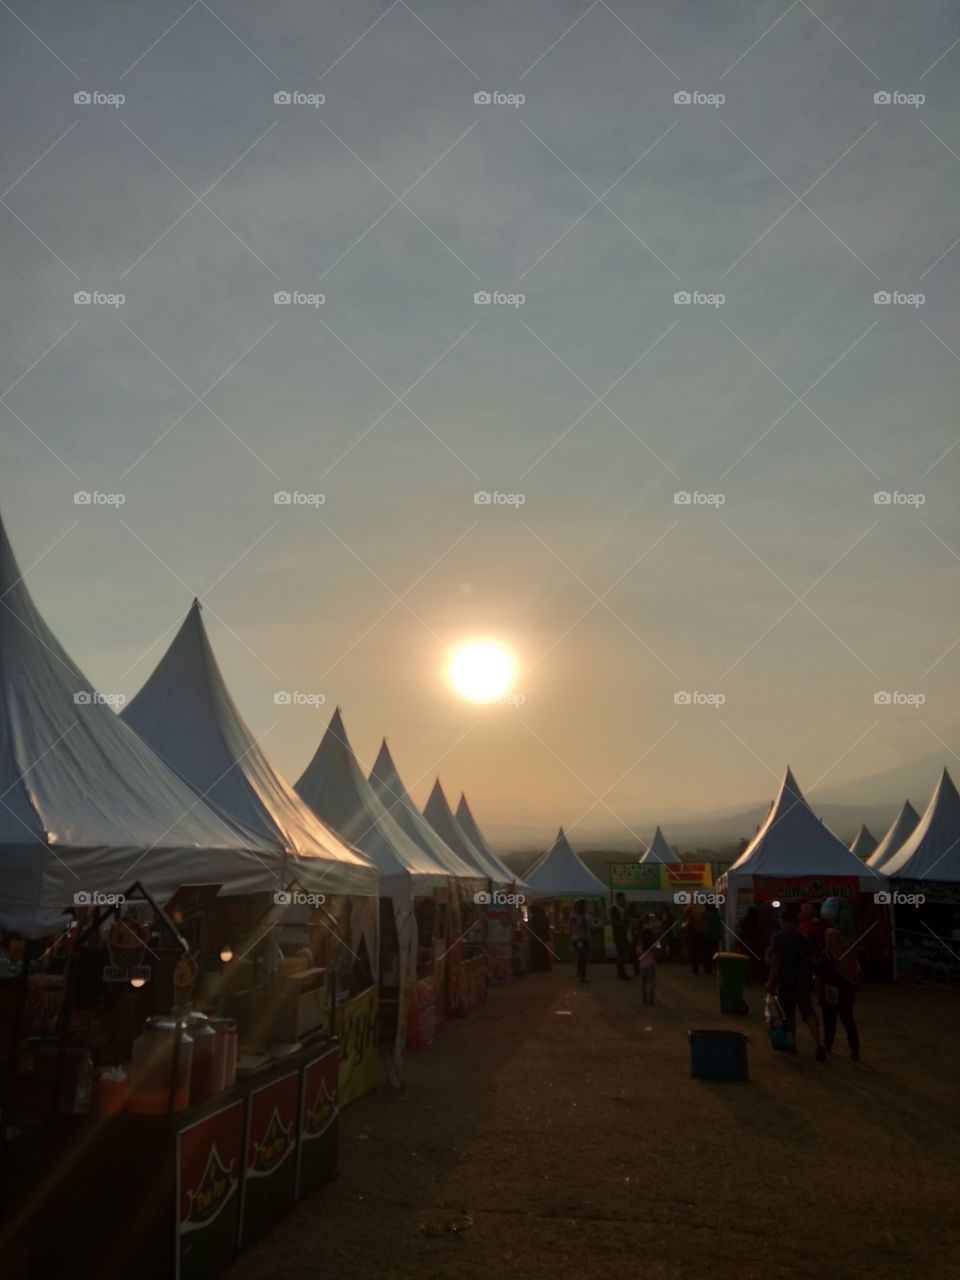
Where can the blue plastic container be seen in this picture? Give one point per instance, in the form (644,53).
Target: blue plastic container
(718,1055)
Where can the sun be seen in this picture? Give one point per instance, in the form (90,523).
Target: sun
(481,671)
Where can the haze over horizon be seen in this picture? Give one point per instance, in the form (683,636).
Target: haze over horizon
(798,598)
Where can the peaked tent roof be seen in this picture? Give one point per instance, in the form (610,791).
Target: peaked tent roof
(560,873)
(440,816)
(932,851)
(659,850)
(388,785)
(334,786)
(185,713)
(901,827)
(468,825)
(84,803)
(793,841)
(864,842)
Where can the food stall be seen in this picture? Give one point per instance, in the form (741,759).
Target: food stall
(557,880)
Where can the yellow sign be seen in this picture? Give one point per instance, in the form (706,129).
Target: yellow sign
(357,1031)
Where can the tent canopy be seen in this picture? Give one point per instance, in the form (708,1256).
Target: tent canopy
(560,873)
(440,816)
(864,842)
(85,805)
(932,850)
(185,713)
(793,841)
(388,785)
(901,827)
(659,850)
(334,786)
(468,825)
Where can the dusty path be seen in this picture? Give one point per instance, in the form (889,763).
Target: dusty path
(580,1147)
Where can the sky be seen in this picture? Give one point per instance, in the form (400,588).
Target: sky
(590,166)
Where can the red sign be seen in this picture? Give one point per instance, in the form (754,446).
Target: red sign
(320,1079)
(803,888)
(208,1166)
(272,1135)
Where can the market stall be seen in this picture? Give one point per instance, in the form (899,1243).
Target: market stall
(557,880)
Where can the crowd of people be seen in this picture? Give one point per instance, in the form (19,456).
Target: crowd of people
(809,959)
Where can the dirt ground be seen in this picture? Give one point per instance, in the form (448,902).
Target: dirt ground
(559,1128)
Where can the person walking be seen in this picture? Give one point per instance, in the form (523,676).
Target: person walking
(621,941)
(790,977)
(695,927)
(837,972)
(634,930)
(647,965)
(713,928)
(581,928)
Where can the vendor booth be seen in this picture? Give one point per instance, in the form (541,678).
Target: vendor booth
(452,924)
(557,880)
(924,879)
(795,858)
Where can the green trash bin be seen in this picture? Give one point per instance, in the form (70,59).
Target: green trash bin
(731,977)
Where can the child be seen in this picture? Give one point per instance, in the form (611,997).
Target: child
(647,965)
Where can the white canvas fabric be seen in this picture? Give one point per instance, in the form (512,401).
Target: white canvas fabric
(468,825)
(440,816)
(388,785)
(86,805)
(185,713)
(335,788)
(560,873)
(932,850)
(901,827)
(659,850)
(864,842)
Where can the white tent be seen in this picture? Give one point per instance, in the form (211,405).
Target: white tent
(932,851)
(85,805)
(468,825)
(793,842)
(901,827)
(440,816)
(388,785)
(864,842)
(659,850)
(560,873)
(185,713)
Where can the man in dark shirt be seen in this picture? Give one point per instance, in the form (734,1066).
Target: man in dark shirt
(791,976)
(618,921)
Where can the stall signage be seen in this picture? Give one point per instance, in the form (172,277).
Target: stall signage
(320,1097)
(121,973)
(209,1167)
(357,1033)
(803,888)
(665,877)
(273,1119)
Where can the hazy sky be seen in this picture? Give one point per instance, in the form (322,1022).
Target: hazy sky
(597,399)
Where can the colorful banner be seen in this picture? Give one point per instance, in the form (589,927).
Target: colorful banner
(659,877)
(359,1057)
(804,888)
(209,1158)
(319,1109)
(270,1171)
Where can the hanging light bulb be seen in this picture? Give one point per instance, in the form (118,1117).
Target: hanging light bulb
(226,955)
(138,980)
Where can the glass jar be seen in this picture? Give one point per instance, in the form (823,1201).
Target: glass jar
(152,1067)
(206,1074)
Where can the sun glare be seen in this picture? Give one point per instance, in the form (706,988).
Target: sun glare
(481,671)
